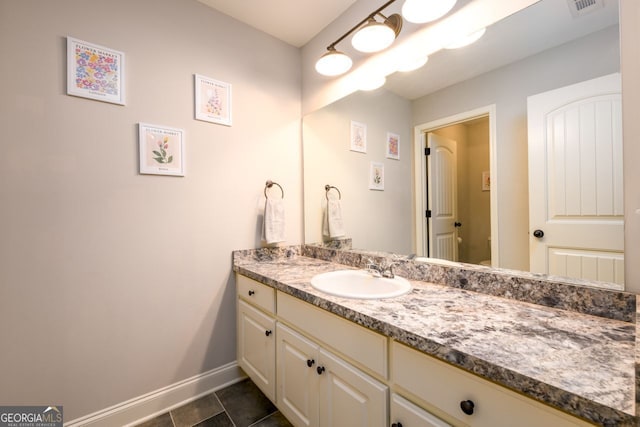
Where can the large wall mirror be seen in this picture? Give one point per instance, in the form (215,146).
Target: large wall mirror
(476,96)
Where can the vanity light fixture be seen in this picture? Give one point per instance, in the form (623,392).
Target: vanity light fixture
(372,35)
(333,63)
(375,36)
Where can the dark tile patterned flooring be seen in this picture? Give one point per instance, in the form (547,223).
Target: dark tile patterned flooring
(239,405)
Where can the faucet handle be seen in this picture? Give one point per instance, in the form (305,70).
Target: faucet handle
(388,270)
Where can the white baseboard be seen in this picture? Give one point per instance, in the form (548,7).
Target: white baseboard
(147,406)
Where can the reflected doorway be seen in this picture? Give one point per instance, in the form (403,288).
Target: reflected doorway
(458,192)
(455,189)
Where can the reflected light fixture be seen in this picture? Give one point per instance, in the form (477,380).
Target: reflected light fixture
(372,82)
(411,64)
(421,11)
(467,40)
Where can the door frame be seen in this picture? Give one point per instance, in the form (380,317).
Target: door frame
(420,176)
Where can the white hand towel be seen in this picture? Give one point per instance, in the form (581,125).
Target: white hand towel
(273,224)
(332,225)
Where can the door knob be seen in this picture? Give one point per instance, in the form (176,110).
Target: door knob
(538,233)
(457,224)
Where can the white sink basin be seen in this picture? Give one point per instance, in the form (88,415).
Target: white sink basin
(359,284)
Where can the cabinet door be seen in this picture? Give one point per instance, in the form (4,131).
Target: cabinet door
(349,397)
(257,347)
(297,360)
(406,414)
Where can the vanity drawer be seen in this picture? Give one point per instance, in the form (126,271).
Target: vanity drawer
(256,293)
(363,346)
(444,387)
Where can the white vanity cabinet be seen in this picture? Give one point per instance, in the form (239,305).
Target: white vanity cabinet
(317,388)
(467,398)
(323,370)
(256,334)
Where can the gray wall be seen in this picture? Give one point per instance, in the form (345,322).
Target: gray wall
(375,220)
(115,284)
(508,88)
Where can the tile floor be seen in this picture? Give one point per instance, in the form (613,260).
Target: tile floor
(239,405)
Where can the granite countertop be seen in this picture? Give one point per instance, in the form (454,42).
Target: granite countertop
(579,363)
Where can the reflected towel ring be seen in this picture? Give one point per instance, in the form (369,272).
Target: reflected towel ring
(329,187)
(270,184)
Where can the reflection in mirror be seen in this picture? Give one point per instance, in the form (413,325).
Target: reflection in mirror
(514,60)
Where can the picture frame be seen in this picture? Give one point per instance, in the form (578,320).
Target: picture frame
(358,137)
(95,72)
(486,181)
(393,146)
(376,176)
(212,100)
(161,150)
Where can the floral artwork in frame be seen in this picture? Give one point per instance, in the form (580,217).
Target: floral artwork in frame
(213,100)
(393,146)
(161,150)
(376,176)
(95,72)
(358,137)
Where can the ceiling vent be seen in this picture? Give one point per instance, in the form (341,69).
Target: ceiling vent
(582,7)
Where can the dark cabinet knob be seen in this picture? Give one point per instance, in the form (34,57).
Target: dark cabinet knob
(467,406)
(396,425)
(252,293)
(320,370)
(457,224)
(310,362)
(268,332)
(538,233)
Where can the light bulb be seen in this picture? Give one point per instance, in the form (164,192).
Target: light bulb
(333,63)
(373,37)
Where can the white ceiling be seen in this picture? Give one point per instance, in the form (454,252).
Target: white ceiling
(292,21)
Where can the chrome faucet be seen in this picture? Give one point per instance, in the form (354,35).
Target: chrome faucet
(378,270)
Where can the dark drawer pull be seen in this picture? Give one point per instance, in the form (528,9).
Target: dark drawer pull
(467,406)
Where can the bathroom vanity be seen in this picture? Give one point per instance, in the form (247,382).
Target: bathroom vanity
(502,354)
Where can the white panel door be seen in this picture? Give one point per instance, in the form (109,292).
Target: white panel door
(297,360)
(443,197)
(575,181)
(348,397)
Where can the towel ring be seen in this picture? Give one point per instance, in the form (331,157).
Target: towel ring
(270,184)
(329,187)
